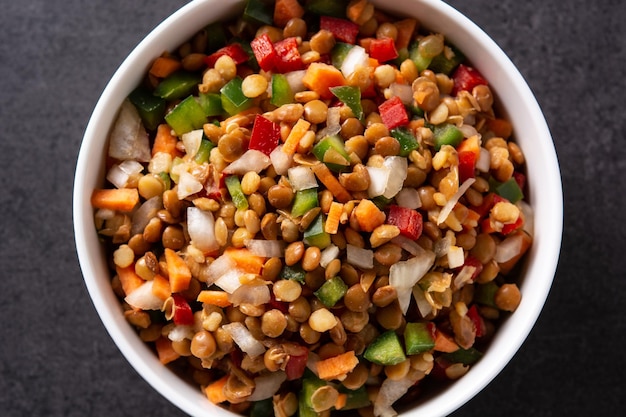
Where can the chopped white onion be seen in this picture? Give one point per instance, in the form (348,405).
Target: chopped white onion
(464,276)
(251,160)
(422,303)
(104,214)
(178,333)
(280,160)
(529,217)
(265,386)
(192,141)
(187,185)
(219,267)
(143,298)
(266,248)
(403,91)
(160,162)
(409,198)
(456,257)
(398,168)
(328,254)
(129,139)
(363,258)
(407,244)
(508,248)
(145,213)
(117,176)
(442,246)
(468,130)
(391,391)
(378,181)
(404,275)
(244,339)
(357,56)
(201,229)
(484,160)
(302,178)
(294,79)
(250,294)
(229,281)
(445,211)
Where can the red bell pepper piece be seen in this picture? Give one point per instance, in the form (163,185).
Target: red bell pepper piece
(265,135)
(287,56)
(183,315)
(477,320)
(296,364)
(234,50)
(264,52)
(343,30)
(488,202)
(393,113)
(409,221)
(467,165)
(520,179)
(466,78)
(383,49)
(511,227)
(471,261)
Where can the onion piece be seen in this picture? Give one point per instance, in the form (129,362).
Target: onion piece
(251,160)
(201,229)
(424,307)
(266,248)
(145,213)
(484,160)
(330,253)
(356,56)
(464,276)
(280,160)
(404,275)
(250,294)
(219,267)
(378,181)
(187,185)
(409,198)
(363,258)
(333,123)
(128,138)
(529,217)
(178,333)
(407,244)
(403,91)
(456,257)
(265,386)
(119,174)
(143,298)
(192,141)
(229,281)
(302,178)
(445,211)
(398,168)
(391,391)
(244,339)
(508,248)
(294,79)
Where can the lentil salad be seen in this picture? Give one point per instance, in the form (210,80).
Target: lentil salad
(282,237)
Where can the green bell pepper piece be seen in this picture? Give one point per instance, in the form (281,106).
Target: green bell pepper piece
(259,12)
(167,181)
(216,36)
(420,61)
(262,408)
(407,141)
(465,356)
(205,150)
(418,338)
(510,190)
(339,53)
(293,272)
(331,291)
(385,349)
(332,151)
(236,193)
(334,8)
(447,134)
(315,234)
(151,108)
(446,64)
(351,97)
(178,85)
(304,201)
(211,103)
(233,99)
(186,116)
(485,294)
(281,91)
(355,399)
(310,384)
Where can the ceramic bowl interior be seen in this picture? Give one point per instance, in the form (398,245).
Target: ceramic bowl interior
(516,102)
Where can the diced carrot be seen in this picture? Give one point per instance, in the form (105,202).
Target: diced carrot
(470,144)
(164,141)
(296,133)
(355,10)
(177,270)
(245,260)
(405,28)
(444,343)
(332,221)
(320,77)
(216,298)
(365,44)
(164,349)
(337,366)
(340,403)
(161,287)
(327,178)
(500,127)
(285,10)
(128,278)
(118,199)
(215,390)
(368,215)
(164,66)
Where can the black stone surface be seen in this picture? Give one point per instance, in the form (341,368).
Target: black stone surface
(56,358)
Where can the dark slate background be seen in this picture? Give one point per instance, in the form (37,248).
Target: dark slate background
(56,56)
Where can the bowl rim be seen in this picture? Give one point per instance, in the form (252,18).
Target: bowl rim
(545,253)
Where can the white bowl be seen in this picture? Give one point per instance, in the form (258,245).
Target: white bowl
(516,101)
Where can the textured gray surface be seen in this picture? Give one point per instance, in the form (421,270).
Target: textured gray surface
(56,56)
